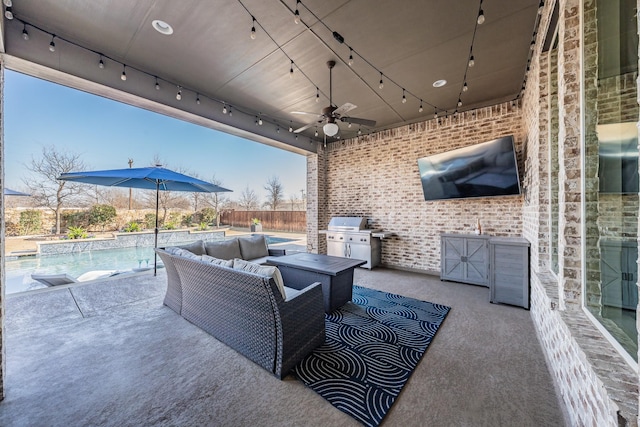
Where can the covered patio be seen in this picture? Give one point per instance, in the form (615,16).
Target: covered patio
(110,353)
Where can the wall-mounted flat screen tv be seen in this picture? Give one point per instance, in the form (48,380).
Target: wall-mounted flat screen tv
(480,170)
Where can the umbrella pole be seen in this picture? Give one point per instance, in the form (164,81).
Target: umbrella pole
(155,245)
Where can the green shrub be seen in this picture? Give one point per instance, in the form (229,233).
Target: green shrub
(170,225)
(207,215)
(187,220)
(101,215)
(75,219)
(132,227)
(150,220)
(30,222)
(77,233)
(203,226)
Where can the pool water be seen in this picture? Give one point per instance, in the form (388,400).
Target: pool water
(18,271)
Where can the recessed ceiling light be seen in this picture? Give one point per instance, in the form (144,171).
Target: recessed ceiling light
(439,83)
(162,27)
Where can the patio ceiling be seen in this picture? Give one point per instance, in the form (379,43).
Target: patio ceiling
(211,56)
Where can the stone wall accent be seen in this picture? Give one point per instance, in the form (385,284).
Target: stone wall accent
(377,177)
(595,384)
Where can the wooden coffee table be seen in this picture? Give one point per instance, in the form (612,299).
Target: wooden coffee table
(335,273)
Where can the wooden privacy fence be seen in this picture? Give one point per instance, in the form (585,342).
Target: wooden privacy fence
(292,221)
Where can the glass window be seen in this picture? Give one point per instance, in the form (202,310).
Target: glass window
(610,70)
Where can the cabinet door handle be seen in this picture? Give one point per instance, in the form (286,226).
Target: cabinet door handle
(624,276)
(630,278)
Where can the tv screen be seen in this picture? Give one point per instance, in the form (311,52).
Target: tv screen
(618,158)
(481,170)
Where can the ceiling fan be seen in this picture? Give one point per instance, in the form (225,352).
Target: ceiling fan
(331,114)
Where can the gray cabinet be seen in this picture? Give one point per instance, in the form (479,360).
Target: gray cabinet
(509,271)
(464,258)
(618,269)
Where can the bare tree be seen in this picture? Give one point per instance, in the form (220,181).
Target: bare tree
(293,199)
(248,200)
(166,199)
(275,196)
(216,200)
(44,186)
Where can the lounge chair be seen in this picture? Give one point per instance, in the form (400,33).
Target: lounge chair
(65,279)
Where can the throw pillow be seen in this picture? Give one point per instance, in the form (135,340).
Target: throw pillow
(223,249)
(218,261)
(196,247)
(263,270)
(253,247)
(187,254)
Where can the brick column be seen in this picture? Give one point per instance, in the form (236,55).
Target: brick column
(316,201)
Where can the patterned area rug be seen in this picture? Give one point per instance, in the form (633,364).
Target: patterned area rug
(373,345)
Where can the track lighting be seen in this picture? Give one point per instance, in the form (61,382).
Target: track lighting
(179,94)
(25,35)
(291,70)
(157,84)
(123,76)
(381,85)
(198,98)
(8,13)
(52,45)
(101,63)
(253,28)
(420,109)
(472,61)
(465,87)
(404,98)
(480,15)
(296,14)
(350,57)
(224,109)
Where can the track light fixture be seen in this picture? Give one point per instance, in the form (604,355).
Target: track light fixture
(101,63)
(480,15)
(296,14)
(25,35)
(157,84)
(52,45)
(253,28)
(381,85)
(179,94)
(123,76)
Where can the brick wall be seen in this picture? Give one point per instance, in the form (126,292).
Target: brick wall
(377,177)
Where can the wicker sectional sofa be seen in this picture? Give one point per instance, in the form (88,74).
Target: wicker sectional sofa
(272,326)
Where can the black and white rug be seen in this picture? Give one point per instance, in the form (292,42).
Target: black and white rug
(373,344)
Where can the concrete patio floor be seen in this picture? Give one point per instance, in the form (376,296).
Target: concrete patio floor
(110,353)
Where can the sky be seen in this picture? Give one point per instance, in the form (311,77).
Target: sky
(106,134)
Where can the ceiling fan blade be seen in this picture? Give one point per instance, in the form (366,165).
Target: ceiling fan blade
(305,127)
(357,121)
(344,108)
(306,113)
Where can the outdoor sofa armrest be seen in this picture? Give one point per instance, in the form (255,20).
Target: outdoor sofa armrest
(303,326)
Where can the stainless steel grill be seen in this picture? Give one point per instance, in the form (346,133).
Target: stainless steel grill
(348,237)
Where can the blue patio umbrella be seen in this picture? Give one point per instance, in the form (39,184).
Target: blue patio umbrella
(9,192)
(150,178)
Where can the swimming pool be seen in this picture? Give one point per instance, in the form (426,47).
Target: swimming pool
(18,271)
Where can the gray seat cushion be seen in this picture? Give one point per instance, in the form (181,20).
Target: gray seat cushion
(196,247)
(253,247)
(223,249)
